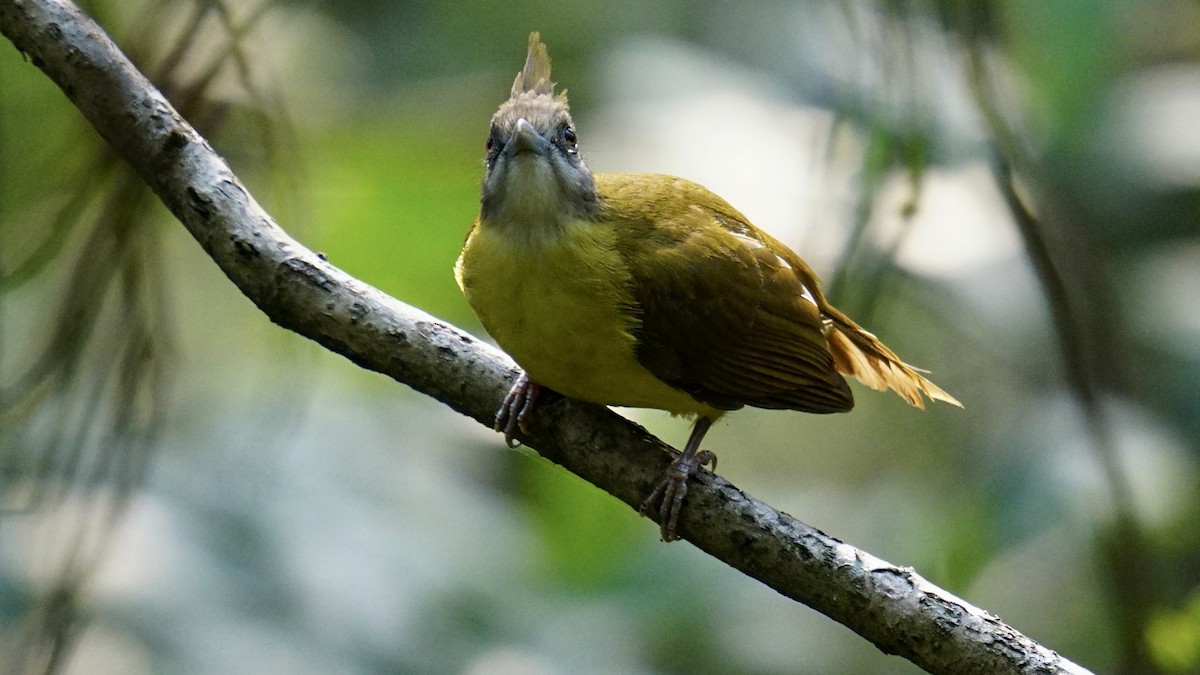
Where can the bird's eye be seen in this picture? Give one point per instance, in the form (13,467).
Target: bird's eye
(491,142)
(568,135)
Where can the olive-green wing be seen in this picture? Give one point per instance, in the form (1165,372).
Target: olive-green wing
(726,319)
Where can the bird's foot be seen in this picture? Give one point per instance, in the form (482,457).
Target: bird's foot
(517,407)
(670,493)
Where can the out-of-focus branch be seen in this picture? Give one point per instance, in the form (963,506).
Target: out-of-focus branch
(1126,553)
(891,606)
(1092,360)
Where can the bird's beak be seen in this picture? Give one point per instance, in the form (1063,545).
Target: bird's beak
(525,139)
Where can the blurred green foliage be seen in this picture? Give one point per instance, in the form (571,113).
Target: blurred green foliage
(396,205)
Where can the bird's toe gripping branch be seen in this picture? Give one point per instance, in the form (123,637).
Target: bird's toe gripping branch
(517,407)
(670,493)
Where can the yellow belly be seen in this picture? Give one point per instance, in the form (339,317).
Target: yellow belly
(561,308)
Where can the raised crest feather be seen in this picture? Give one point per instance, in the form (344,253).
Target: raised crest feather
(535,76)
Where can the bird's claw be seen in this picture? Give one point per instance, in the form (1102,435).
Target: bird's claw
(515,410)
(670,492)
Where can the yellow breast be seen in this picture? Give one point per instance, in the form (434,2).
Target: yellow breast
(561,307)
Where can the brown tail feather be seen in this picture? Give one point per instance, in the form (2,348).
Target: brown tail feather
(860,354)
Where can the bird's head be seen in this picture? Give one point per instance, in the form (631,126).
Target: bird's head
(535,176)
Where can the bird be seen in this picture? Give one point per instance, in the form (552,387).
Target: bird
(648,291)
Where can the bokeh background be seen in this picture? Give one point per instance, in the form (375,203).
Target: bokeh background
(1008,193)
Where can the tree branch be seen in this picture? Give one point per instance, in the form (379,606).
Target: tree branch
(893,607)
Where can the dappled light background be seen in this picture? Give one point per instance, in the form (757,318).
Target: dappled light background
(1007,193)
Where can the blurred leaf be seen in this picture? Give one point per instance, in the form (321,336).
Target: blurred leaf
(393,201)
(1174,638)
(586,534)
(1069,51)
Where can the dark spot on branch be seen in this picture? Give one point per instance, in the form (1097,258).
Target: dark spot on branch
(244,249)
(310,273)
(231,190)
(358,311)
(200,204)
(892,582)
(945,625)
(176,140)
